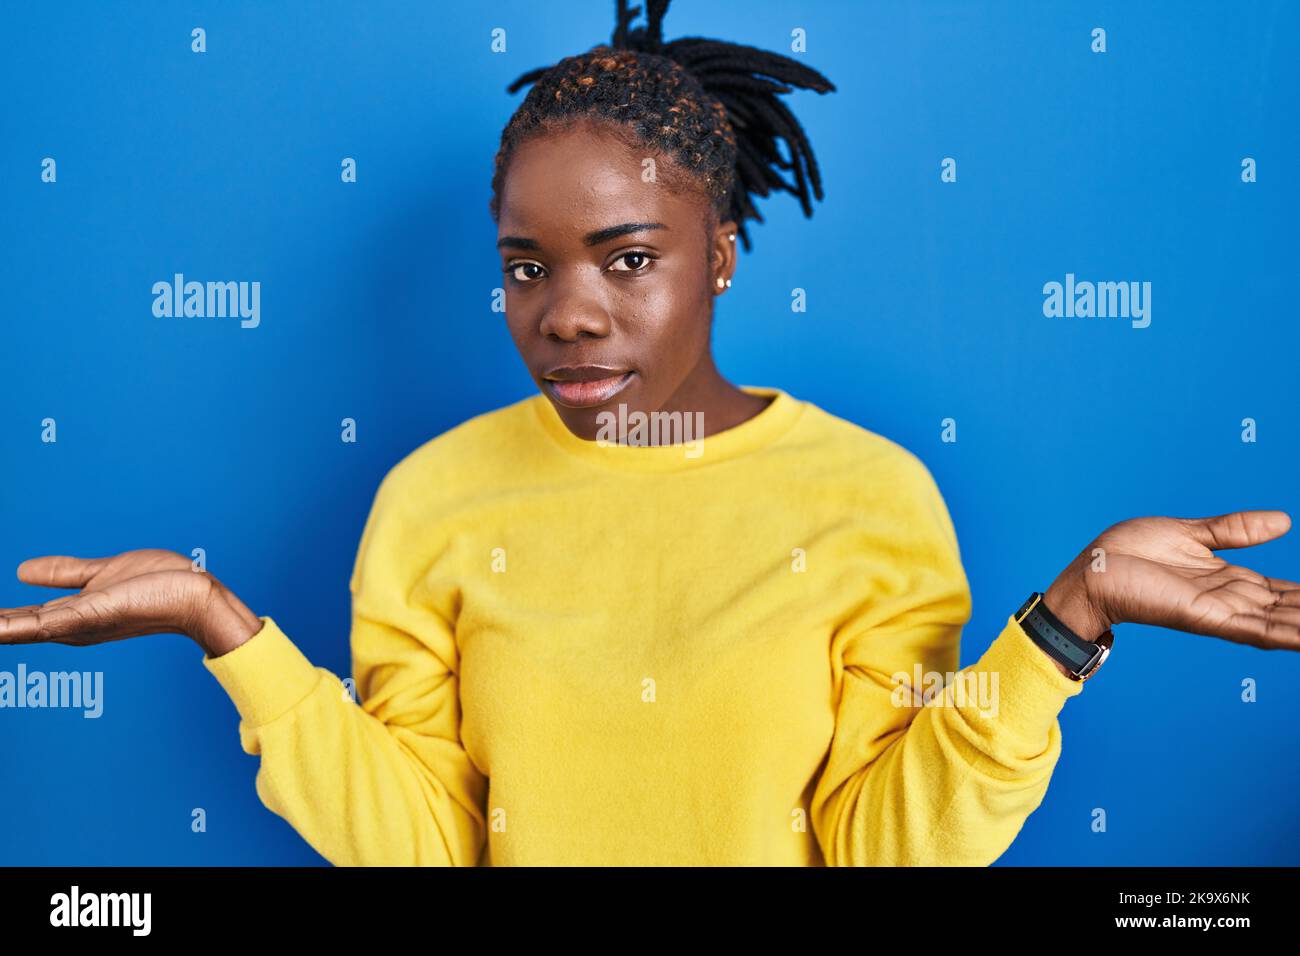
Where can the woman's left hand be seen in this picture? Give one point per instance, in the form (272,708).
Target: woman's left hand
(1163,571)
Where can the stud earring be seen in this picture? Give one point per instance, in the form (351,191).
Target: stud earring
(720,282)
(728,283)
(732,237)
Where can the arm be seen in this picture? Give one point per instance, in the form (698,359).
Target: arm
(386,781)
(951,782)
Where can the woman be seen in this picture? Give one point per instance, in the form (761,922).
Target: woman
(647,616)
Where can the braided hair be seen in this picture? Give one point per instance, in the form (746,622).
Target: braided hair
(709,104)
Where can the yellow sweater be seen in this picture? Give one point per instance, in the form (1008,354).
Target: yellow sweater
(569,654)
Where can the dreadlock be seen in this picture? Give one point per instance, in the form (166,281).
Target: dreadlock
(710,104)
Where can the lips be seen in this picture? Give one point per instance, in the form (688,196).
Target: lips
(586,385)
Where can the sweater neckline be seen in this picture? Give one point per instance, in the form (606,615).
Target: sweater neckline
(750,435)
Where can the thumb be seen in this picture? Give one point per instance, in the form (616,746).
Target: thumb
(1238,529)
(59,570)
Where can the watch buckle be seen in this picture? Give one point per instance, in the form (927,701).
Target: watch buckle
(1104,642)
(1028,606)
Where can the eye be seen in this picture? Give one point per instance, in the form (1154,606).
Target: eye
(643,260)
(519,271)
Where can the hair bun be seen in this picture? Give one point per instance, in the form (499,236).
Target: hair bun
(742,84)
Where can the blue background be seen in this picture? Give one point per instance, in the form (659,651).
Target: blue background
(925,301)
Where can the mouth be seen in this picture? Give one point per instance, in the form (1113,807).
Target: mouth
(586,386)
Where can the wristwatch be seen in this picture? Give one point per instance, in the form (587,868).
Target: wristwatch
(1081,658)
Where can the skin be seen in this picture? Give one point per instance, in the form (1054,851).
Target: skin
(570,302)
(639,299)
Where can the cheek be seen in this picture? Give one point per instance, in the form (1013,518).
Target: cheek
(677,311)
(676,303)
(519,331)
(513,328)
(674,329)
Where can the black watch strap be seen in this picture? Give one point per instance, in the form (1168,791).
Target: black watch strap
(1081,658)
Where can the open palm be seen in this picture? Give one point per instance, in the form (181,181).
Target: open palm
(1163,571)
(147,591)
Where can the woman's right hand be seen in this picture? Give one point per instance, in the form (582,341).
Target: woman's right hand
(149,591)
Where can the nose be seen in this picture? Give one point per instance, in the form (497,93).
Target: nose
(572,311)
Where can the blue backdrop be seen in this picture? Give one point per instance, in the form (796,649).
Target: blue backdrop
(925,302)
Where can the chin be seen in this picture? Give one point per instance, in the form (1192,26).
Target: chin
(586,421)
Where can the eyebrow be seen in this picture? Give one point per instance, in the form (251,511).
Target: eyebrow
(590,239)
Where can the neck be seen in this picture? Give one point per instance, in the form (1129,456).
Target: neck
(723,404)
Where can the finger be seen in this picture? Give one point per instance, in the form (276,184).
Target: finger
(6,611)
(1238,529)
(1270,597)
(43,624)
(1278,591)
(1270,628)
(59,570)
(1259,588)
(1288,592)
(1256,609)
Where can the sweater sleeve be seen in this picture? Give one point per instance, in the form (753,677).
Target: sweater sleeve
(385,781)
(923,769)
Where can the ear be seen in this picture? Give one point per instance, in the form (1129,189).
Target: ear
(722,262)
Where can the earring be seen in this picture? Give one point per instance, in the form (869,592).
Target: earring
(720,282)
(732,237)
(728,283)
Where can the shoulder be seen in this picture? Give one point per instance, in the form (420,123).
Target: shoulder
(465,457)
(881,477)
(428,484)
(871,454)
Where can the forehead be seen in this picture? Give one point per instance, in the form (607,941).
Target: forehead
(580,178)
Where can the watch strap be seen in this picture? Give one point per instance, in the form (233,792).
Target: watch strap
(1080,657)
